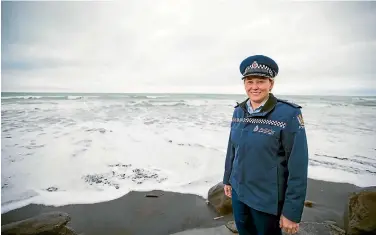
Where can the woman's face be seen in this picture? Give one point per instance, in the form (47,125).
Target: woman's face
(258,88)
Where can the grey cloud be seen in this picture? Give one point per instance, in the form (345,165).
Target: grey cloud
(187,44)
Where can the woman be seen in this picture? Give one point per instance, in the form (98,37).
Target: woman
(267,156)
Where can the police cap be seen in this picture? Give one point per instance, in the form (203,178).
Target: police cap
(259,65)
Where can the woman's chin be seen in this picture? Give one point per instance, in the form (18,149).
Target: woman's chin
(256,98)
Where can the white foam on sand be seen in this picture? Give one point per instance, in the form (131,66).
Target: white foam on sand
(82,160)
(87,151)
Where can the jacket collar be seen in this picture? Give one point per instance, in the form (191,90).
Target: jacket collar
(267,108)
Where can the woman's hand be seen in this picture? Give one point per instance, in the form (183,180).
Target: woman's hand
(288,226)
(227,189)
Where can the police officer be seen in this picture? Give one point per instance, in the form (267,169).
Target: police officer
(267,156)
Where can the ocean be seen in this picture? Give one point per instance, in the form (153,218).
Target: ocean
(60,148)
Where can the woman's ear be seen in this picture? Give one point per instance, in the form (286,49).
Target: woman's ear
(271,84)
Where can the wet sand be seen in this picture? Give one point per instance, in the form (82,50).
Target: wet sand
(173,212)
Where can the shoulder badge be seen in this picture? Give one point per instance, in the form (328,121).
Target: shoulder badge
(290,103)
(301,121)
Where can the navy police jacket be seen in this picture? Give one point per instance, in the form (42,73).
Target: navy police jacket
(267,158)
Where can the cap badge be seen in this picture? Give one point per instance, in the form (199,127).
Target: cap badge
(254,65)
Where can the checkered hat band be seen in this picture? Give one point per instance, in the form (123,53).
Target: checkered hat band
(261,121)
(258,74)
(260,68)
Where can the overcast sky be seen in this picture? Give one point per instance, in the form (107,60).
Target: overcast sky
(187,46)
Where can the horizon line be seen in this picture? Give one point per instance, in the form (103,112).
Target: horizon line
(175,93)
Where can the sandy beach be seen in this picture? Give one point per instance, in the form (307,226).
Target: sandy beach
(172,212)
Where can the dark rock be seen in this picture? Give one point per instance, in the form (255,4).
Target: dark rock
(308,203)
(52,189)
(101,130)
(360,212)
(232,226)
(120,165)
(136,175)
(141,175)
(46,223)
(217,199)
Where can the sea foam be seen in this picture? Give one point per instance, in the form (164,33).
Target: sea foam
(98,148)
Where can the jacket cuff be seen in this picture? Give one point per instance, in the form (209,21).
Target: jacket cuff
(291,214)
(226,179)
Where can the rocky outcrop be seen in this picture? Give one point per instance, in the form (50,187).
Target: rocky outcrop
(53,223)
(218,200)
(360,212)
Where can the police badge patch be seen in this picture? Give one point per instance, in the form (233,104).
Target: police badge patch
(301,121)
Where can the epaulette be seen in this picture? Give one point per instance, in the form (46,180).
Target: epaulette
(290,103)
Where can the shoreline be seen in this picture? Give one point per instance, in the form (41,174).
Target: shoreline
(173,212)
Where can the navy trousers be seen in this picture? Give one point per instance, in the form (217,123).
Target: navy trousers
(252,222)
